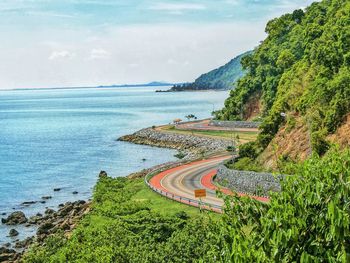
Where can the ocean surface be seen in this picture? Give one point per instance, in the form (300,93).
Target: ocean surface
(62,138)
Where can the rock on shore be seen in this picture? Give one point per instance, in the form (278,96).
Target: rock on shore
(186,142)
(8,255)
(64,219)
(15,218)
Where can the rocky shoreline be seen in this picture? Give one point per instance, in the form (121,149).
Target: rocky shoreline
(51,222)
(192,145)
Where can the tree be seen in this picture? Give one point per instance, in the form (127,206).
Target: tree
(190,116)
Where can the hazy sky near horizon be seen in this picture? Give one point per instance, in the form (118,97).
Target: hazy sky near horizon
(60,43)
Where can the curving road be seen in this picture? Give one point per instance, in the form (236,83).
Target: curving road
(180,182)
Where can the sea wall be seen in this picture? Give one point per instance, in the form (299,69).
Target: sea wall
(235,124)
(248,182)
(186,142)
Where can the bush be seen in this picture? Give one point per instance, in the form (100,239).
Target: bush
(180,155)
(307,222)
(319,144)
(245,164)
(248,150)
(230,148)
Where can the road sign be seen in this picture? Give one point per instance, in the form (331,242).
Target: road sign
(200,193)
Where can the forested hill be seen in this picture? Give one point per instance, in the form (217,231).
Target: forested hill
(298,81)
(222,78)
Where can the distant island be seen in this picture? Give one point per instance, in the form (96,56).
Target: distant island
(222,78)
(150,84)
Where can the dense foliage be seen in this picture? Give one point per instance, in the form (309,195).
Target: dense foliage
(220,78)
(245,164)
(130,223)
(308,222)
(302,68)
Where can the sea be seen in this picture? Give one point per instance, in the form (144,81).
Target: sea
(63,138)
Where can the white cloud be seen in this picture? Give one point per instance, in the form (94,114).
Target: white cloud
(138,53)
(134,65)
(177,8)
(172,61)
(49,14)
(63,54)
(98,53)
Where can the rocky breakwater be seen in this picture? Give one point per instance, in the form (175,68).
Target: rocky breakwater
(254,183)
(51,222)
(184,142)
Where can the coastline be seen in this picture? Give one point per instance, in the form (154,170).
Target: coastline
(68,215)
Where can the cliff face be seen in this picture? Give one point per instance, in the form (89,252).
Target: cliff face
(342,135)
(290,142)
(294,142)
(222,78)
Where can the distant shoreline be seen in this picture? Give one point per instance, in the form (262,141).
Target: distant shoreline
(156,84)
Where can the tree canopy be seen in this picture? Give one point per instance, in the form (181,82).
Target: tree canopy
(303,66)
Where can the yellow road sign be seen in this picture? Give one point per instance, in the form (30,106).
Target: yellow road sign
(200,193)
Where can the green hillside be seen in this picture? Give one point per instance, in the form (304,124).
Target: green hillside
(301,70)
(221,78)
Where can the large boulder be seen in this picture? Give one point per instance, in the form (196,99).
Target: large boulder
(15,218)
(65,210)
(8,255)
(24,243)
(103,174)
(13,233)
(49,211)
(45,228)
(35,219)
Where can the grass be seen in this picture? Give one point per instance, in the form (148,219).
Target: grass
(158,203)
(129,222)
(244,136)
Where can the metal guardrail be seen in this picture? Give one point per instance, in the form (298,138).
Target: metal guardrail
(181,199)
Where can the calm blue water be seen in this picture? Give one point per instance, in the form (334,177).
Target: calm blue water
(63,138)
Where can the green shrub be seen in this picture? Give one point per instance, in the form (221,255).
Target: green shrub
(307,222)
(180,155)
(319,144)
(245,164)
(248,150)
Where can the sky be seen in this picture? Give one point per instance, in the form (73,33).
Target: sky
(70,43)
